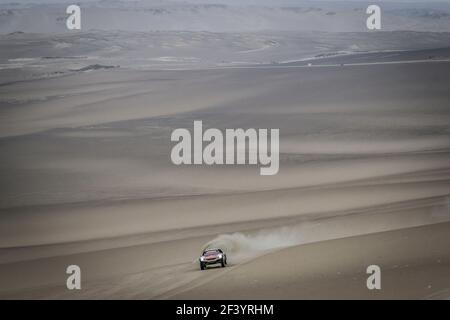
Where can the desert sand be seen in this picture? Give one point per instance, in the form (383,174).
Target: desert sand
(86,175)
(415,264)
(364,179)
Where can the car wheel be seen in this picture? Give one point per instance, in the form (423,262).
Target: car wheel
(202,266)
(223,263)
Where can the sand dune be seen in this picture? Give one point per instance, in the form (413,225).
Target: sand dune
(415,265)
(162,268)
(364,179)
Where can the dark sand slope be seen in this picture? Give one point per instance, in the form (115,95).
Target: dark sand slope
(161,265)
(415,264)
(86,179)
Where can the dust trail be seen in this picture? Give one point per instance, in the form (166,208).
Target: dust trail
(240,246)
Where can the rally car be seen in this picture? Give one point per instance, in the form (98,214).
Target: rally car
(213,257)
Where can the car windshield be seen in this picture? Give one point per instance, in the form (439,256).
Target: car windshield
(210,252)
